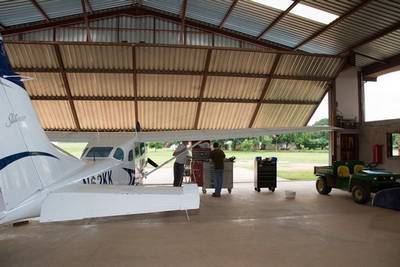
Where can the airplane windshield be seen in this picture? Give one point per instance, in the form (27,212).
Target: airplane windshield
(99,152)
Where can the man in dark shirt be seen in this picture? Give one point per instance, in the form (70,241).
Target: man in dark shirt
(217,156)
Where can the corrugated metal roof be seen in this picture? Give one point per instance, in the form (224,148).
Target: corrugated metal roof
(250,17)
(60,8)
(233,87)
(101,84)
(225,115)
(303,65)
(66,34)
(167,115)
(383,47)
(32,55)
(106,115)
(337,7)
(210,11)
(366,22)
(363,61)
(197,37)
(44,84)
(296,90)
(55,115)
(106,4)
(241,62)
(18,12)
(97,56)
(172,6)
(292,30)
(168,85)
(43,35)
(223,41)
(278,115)
(166,58)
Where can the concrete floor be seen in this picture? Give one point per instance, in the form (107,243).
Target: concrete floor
(242,229)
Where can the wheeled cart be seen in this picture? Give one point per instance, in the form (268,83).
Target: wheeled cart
(265,174)
(208,169)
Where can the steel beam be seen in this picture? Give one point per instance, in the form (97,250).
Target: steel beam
(2,27)
(135,90)
(221,24)
(279,18)
(202,88)
(264,91)
(89,6)
(66,86)
(333,23)
(40,9)
(174,72)
(87,26)
(183,20)
(391,62)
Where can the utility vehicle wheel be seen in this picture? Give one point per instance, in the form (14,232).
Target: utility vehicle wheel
(360,194)
(272,189)
(322,186)
(204,191)
(257,189)
(229,190)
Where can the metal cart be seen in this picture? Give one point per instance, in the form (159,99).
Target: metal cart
(208,169)
(265,174)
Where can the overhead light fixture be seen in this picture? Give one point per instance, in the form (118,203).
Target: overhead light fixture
(301,10)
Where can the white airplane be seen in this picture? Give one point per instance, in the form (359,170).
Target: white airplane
(37,179)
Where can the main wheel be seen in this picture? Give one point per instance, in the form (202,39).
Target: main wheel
(322,186)
(229,190)
(204,191)
(361,194)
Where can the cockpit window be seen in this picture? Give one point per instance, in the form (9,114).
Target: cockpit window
(137,152)
(142,148)
(84,151)
(130,155)
(119,154)
(99,152)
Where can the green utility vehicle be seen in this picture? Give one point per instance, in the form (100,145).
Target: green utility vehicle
(354,177)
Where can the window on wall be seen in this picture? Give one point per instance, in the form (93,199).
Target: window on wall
(382,98)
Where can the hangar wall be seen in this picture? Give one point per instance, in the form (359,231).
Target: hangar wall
(347,94)
(375,133)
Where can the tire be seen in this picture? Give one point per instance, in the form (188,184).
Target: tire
(204,191)
(272,189)
(229,190)
(322,186)
(360,194)
(257,189)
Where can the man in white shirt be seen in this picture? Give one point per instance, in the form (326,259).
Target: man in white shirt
(179,165)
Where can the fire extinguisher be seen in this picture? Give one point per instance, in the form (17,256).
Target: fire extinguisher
(377,154)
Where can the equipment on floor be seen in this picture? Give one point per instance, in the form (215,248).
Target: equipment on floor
(388,199)
(265,173)
(208,169)
(355,177)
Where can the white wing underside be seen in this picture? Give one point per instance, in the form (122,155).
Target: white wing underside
(184,135)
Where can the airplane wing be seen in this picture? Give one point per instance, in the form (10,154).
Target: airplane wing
(185,135)
(79,201)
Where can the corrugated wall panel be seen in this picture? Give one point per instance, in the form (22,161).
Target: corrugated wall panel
(366,22)
(108,115)
(32,55)
(165,58)
(169,34)
(168,85)
(241,62)
(225,115)
(197,37)
(44,84)
(55,115)
(308,66)
(44,35)
(296,90)
(278,115)
(210,11)
(104,84)
(222,41)
(144,35)
(97,56)
(71,34)
(167,115)
(250,17)
(233,87)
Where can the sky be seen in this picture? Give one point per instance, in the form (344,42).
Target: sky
(382,100)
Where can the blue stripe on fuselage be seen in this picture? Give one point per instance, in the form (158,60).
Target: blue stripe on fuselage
(4,162)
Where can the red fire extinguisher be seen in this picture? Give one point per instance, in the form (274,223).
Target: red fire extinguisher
(377,154)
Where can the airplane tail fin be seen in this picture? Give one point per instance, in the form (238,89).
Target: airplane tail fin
(28,161)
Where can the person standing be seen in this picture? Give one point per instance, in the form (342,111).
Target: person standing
(217,156)
(181,154)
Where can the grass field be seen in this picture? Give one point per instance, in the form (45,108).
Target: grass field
(296,165)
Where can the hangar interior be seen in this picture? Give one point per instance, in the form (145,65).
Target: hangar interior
(102,66)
